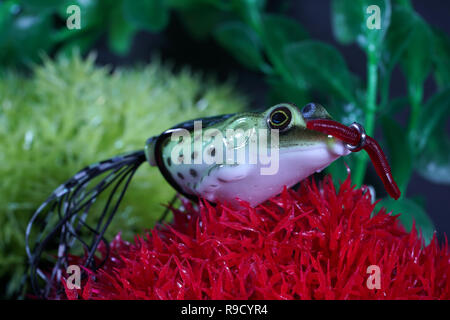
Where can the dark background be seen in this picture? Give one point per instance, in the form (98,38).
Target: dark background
(177,46)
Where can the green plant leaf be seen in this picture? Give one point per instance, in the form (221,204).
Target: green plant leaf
(246,9)
(398,36)
(351,20)
(79,44)
(433,162)
(416,60)
(281,90)
(93,13)
(184,4)
(151,15)
(441,59)
(403,3)
(120,33)
(321,66)
(394,45)
(280,31)
(344,111)
(23,37)
(44,5)
(410,211)
(433,142)
(399,152)
(200,20)
(434,113)
(8,11)
(242,42)
(395,106)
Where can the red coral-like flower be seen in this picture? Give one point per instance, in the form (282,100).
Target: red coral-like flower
(314,243)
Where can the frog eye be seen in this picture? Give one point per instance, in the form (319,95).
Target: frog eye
(309,110)
(280,118)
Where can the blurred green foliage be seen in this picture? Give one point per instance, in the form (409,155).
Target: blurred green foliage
(69,114)
(295,67)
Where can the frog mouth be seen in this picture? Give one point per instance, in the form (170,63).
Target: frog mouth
(338,148)
(333,145)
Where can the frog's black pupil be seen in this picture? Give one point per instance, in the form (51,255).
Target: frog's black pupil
(278,117)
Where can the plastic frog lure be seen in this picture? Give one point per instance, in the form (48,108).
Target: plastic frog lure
(308,141)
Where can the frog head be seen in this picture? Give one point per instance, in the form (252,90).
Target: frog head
(247,156)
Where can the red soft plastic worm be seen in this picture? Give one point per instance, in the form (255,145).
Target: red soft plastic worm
(351,136)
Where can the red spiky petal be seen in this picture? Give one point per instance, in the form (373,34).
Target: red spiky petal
(314,243)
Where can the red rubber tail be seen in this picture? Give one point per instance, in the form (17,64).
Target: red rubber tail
(352,136)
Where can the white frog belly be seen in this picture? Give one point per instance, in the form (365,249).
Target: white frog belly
(226,183)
